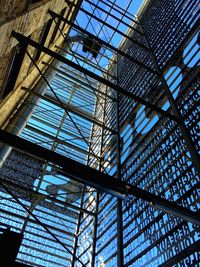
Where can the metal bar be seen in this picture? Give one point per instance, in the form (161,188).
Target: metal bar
(112,48)
(91,177)
(9,212)
(120,254)
(37,220)
(109,13)
(75,110)
(60,141)
(77,232)
(134,97)
(42,196)
(58,99)
(113,28)
(77,61)
(90,63)
(185,132)
(97,200)
(79,81)
(95,232)
(69,167)
(121,10)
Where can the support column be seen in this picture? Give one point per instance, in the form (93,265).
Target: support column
(120,254)
(77,231)
(95,231)
(185,132)
(100,169)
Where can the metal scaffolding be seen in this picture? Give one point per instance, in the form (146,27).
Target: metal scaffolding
(108,164)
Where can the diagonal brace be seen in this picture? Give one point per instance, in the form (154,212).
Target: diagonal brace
(26,40)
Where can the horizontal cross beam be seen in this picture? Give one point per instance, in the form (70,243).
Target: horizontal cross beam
(91,177)
(38,195)
(108,45)
(115,29)
(71,109)
(26,40)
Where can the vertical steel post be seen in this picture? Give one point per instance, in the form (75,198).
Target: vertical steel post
(120,254)
(97,200)
(77,231)
(95,231)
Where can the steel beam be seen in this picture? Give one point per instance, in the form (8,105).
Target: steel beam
(73,261)
(120,251)
(96,179)
(39,195)
(106,24)
(23,39)
(115,17)
(108,45)
(94,245)
(68,74)
(46,227)
(60,141)
(18,215)
(58,99)
(90,63)
(183,128)
(70,108)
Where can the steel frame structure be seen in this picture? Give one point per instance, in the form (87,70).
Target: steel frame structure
(103,129)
